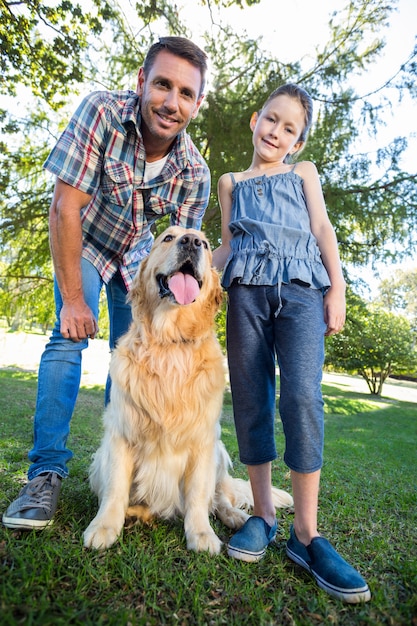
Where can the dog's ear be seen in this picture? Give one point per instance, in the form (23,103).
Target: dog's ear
(135,294)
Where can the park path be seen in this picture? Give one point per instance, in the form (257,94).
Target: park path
(23,350)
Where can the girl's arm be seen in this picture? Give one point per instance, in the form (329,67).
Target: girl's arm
(322,229)
(224,192)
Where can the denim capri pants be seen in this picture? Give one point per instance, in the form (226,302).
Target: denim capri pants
(283,323)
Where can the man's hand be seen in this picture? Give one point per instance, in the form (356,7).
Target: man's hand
(78,321)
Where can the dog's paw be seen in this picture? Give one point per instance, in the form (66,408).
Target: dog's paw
(99,536)
(204,542)
(232,517)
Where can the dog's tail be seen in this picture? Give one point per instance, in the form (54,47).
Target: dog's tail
(239,491)
(240,495)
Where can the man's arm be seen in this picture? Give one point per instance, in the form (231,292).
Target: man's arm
(65,233)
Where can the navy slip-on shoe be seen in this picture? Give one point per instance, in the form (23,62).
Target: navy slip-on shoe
(251,541)
(330,570)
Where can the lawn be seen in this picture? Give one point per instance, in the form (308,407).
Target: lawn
(367,509)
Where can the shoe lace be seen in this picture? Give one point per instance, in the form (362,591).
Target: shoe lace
(39,493)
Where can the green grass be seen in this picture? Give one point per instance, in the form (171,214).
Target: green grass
(367,508)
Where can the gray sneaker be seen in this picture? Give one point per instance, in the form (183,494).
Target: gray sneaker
(36,504)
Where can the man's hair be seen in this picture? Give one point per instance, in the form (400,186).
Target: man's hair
(181,47)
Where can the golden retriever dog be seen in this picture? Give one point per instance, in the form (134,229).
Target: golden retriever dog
(161,453)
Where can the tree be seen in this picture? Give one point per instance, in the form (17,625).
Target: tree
(42,45)
(399,294)
(374,344)
(367,209)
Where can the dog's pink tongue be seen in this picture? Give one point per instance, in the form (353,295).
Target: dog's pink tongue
(184,287)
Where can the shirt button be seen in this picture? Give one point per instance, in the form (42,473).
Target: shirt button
(141,155)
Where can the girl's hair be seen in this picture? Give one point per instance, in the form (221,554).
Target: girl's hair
(298,93)
(181,47)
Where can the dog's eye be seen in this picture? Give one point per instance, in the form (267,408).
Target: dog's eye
(168,238)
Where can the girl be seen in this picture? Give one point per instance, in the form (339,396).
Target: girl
(286,291)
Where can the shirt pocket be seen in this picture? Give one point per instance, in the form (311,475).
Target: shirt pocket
(117,182)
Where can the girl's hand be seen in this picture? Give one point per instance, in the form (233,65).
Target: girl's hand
(334,310)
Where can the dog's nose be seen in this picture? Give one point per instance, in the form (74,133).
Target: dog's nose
(190,241)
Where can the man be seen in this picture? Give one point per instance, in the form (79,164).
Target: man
(123,161)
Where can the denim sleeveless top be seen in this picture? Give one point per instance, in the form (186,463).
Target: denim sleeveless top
(272,242)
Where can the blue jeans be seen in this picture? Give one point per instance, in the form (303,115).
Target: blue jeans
(60,374)
(284,322)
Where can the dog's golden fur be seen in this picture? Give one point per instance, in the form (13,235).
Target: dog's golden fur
(161,453)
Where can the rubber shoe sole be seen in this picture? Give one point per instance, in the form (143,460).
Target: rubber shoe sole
(25,524)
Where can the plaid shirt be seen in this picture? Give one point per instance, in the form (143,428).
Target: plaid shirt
(101,152)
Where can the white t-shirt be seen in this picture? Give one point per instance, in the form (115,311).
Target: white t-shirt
(152,170)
